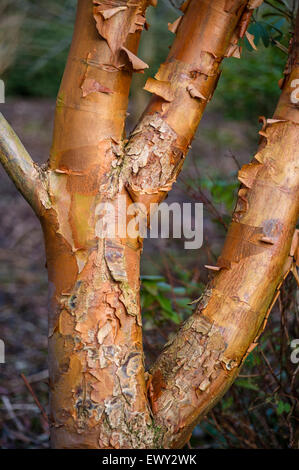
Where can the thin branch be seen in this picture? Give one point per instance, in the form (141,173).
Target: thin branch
(44,415)
(25,174)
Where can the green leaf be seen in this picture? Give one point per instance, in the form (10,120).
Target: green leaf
(151,287)
(261,32)
(152,278)
(246,383)
(146,299)
(164,287)
(282,407)
(184,303)
(168,312)
(165,303)
(180,290)
(227,403)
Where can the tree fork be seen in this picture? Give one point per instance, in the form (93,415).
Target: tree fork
(98,393)
(98,389)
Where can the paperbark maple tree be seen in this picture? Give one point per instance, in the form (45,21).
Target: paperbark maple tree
(100,394)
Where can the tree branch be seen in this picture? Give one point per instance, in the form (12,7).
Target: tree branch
(24,173)
(201,362)
(93,96)
(184,84)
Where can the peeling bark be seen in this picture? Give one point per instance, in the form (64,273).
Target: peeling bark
(101,397)
(181,90)
(258,253)
(98,392)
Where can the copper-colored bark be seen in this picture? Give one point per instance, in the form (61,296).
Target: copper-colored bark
(97,378)
(257,255)
(184,84)
(98,395)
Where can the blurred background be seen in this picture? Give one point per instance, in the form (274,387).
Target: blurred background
(261,409)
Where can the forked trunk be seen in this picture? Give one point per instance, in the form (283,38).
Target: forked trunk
(101,396)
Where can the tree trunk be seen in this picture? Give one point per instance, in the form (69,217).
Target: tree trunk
(98,386)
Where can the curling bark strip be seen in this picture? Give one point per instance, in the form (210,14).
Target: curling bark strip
(181,90)
(200,363)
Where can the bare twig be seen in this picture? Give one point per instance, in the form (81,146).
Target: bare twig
(35,398)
